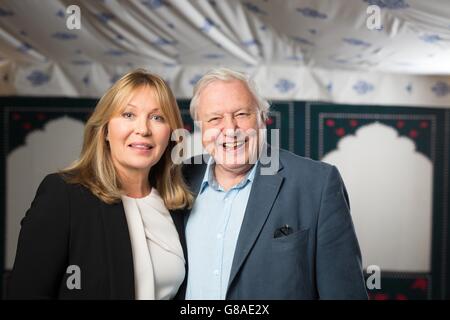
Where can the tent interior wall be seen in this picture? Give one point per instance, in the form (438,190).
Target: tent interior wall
(372,100)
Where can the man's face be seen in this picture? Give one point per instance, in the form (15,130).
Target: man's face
(229,121)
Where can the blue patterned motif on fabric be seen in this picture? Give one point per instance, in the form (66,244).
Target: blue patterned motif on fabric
(303,41)
(284,85)
(409,88)
(356,42)
(254,8)
(60,13)
(105,17)
(38,78)
(115,52)
(389,4)
(251,42)
(441,89)
(163,42)
(114,78)
(194,79)
(431,38)
(312,13)
(24,47)
(153,4)
(64,36)
(362,87)
(294,58)
(86,80)
(81,62)
(213,56)
(208,24)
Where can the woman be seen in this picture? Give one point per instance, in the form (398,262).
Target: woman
(101,228)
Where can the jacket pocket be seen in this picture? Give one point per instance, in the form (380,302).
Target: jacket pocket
(297,239)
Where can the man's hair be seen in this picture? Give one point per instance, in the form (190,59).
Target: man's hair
(95,170)
(226,74)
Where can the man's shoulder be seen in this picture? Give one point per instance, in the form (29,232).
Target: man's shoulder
(301,165)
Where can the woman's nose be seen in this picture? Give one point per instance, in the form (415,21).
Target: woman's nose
(142,127)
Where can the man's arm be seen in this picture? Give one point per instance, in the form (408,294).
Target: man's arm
(338,257)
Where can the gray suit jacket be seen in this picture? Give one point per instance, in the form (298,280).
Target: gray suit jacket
(320,259)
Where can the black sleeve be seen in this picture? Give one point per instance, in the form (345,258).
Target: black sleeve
(42,249)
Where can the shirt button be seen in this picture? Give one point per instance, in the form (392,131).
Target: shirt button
(216,272)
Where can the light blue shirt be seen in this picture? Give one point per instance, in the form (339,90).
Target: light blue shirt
(212,231)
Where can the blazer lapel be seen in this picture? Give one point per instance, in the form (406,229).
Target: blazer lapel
(178,219)
(119,252)
(264,191)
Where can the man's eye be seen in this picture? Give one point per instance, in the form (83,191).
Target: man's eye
(127,115)
(213,119)
(242,114)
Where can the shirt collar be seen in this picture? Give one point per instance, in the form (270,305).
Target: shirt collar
(209,178)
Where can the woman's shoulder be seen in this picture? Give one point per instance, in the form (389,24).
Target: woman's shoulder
(54,178)
(61,182)
(52,181)
(58,188)
(57,180)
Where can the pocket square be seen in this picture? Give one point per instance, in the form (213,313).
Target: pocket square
(283,231)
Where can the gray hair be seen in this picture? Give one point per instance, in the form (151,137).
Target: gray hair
(226,74)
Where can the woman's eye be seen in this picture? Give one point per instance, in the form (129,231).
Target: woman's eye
(157,118)
(127,115)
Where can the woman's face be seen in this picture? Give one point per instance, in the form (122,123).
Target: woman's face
(139,135)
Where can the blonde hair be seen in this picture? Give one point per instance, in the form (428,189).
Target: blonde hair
(95,170)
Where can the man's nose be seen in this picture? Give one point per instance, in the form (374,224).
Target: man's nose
(230,124)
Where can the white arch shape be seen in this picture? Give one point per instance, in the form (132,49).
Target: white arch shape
(45,151)
(390,190)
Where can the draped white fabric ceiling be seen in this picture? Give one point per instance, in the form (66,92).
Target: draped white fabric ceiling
(295,49)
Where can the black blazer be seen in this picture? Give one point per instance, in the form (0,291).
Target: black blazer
(67,225)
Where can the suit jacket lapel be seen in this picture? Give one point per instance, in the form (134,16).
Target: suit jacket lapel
(178,219)
(264,191)
(119,252)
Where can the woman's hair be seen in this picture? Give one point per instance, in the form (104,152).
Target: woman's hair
(95,170)
(226,74)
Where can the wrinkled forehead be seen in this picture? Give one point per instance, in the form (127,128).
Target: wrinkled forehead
(226,97)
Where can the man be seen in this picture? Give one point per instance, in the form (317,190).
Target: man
(285,235)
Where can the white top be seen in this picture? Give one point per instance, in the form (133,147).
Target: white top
(157,254)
